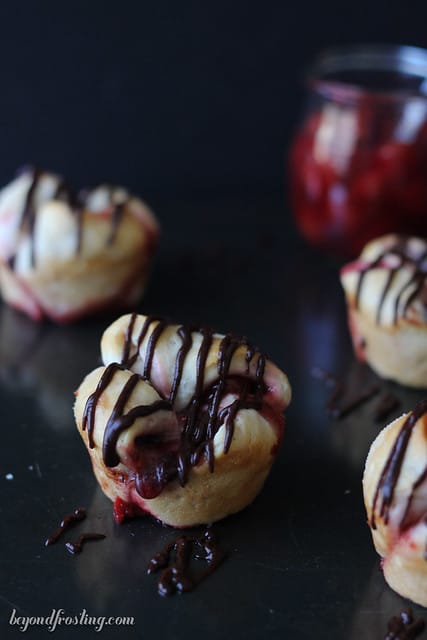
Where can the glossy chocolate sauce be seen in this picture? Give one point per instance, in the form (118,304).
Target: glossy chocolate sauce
(202,417)
(77,546)
(400,253)
(176,559)
(66,523)
(77,204)
(390,475)
(404,627)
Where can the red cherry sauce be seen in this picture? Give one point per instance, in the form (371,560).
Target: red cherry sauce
(358,171)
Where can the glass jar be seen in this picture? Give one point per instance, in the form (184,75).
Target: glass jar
(358,163)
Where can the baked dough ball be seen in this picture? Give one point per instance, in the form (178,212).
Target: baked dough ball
(395,493)
(386,292)
(63,256)
(180,422)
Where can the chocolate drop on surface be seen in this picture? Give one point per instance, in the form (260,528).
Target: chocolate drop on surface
(403,627)
(77,546)
(66,523)
(176,558)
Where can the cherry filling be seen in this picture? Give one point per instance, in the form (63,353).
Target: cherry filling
(157,444)
(155,459)
(159,457)
(123,510)
(353,178)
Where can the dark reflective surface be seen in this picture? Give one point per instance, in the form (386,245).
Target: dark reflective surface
(301,563)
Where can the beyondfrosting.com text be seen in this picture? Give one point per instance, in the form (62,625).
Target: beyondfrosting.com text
(59,618)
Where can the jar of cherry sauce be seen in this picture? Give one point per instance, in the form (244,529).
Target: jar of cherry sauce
(358,163)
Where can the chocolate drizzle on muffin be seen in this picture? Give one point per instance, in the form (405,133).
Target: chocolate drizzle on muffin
(117,201)
(393,259)
(200,419)
(390,475)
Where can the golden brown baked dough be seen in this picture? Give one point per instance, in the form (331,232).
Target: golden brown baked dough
(64,256)
(395,493)
(180,422)
(386,292)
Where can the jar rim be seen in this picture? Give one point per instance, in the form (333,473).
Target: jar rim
(323,75)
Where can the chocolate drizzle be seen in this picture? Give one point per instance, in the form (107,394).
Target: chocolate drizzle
(28,216)
(128,339)
(391,471)
(203,416)
(88,421)
(200,419)
(187,342)
(28,213)
(400,252)
(127,360)
(77,546)
(119,421)
(151,346)
(403,626)
(176,558)
(115,221)
(77,204)
(66,523)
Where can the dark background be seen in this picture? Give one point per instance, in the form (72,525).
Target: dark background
(171,97)
(192,105)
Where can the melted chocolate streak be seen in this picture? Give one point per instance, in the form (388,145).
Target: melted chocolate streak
(77,204)
(201,418)
(390,475)
(417,280)
(403,627)
(77,546)
(66,523)
(175,560)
